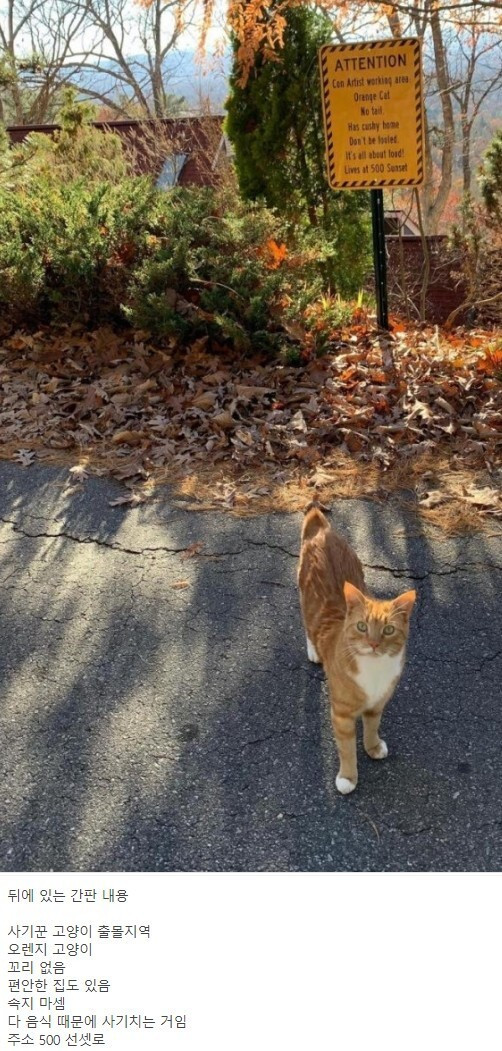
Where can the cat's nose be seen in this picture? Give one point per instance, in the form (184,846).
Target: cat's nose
(374,645)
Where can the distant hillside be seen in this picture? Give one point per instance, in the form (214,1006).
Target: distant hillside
(184,76)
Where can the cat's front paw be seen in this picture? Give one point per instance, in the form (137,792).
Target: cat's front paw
(344,785)
(312,653)
(380,751)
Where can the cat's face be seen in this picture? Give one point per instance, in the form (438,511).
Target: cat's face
(373,627)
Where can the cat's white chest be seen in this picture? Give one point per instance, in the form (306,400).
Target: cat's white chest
(375,675)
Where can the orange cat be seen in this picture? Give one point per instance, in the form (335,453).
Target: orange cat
(361,641)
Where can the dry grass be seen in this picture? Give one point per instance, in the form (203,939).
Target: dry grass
(245,493)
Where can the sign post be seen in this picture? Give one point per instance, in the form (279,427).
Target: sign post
(379,258)
(374,127)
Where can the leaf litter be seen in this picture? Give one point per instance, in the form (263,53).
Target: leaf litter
(233,433)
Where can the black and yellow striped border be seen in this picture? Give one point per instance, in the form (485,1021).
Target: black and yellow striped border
(358,184)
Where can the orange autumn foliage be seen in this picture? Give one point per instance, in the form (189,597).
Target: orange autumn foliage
(274,253)
(491,362)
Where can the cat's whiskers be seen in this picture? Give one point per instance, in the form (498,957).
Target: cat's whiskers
(348,650)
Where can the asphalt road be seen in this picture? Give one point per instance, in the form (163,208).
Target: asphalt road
(145,727)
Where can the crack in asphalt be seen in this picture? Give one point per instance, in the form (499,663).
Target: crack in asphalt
(461,664)
(84,540)
(490,657)
(114,545)
(273,547)
(446,569)
(268,737)
(276,584)
(395,830)
(439,572)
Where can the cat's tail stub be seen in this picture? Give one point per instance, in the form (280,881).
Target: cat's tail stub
(314,521)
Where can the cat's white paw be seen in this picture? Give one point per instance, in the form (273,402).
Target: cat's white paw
(312,653)
(380,752)
(344,785)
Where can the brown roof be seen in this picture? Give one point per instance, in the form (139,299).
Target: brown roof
(150,142)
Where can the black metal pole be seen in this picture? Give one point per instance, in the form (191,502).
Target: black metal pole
(379,258)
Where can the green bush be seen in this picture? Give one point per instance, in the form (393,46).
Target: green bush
(68,250)
(212,272)
(183,264)
(491,178)
(81,239)
(75,151)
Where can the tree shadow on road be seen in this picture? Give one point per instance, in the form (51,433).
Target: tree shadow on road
(153,727)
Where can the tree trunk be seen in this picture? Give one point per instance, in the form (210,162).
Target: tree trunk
(466,153)
(427,188)
(433,209)
(157,84)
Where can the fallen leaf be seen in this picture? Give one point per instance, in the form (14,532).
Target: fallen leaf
(129,469)
(143,388)
(25,457)
(224,421)
(130,498)
(78,473)
(485,497)
(205,400)
(298,422)
(433,499)
(445,405)
(491,362)
(244,391)
(419,408)
(193,550)
(128,437)
(244,436)
(485,431)
(216,378)
(180,584)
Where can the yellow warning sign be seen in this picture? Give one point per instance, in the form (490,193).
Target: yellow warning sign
(373,113)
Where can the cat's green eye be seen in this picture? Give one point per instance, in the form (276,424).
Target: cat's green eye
(389,629)
(361,626)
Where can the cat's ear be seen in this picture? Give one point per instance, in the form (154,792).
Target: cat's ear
(353,596)
(404,603)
